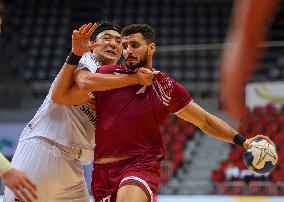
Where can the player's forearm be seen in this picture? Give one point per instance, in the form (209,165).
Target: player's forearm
(4,165)
(218,129)
(63,82)
(103,82)
(210,124)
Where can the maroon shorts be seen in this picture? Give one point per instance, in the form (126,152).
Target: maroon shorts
(109,177)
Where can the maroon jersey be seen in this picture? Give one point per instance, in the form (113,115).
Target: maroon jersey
(128,122)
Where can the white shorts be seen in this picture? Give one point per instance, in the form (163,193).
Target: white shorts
(57,177)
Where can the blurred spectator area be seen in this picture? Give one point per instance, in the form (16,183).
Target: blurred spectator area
(190,33)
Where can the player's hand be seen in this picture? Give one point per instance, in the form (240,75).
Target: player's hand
(247,143)
(19,183)
(92,104)
(145,76)
(81,42)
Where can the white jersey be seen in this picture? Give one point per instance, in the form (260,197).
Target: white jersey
(72,126)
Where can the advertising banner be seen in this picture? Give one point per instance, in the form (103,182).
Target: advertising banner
(263,93)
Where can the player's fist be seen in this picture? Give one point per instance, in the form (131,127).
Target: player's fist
(145,76)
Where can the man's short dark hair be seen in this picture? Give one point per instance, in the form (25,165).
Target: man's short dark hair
(105,26)
(147,32)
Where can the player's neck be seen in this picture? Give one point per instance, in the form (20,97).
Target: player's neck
(149,65)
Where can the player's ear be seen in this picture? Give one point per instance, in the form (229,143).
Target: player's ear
(152,48)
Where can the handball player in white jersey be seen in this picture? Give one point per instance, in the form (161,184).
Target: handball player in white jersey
(56,143)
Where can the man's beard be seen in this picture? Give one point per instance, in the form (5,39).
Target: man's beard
(142,63)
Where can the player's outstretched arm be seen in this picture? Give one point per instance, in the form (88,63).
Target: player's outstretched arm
(17,181)
(242,51)
(214,126)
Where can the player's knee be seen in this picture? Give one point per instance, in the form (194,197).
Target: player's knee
(131,193)
(131,198)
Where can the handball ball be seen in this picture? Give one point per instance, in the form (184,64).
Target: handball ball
(261,157)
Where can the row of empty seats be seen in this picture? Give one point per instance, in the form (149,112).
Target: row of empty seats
(251,188)
(175,133)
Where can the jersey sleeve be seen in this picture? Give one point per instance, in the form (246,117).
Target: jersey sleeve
(87,62)
(4,165)
(180,98)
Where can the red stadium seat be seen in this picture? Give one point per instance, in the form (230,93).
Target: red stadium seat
(278,140)
(264,119)
(167,122)
(270,109)
(223,165)
(174,130)
(240,164)
(281,128)
(281,165)
(250,119)
(257,111)
(257,128)
(282,110)
(217,176)
(270,129)
(234,156)
(277,175)
(279,119)
(189,131)
(281,155)
(244,128)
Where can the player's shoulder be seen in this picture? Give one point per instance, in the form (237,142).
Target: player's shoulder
(162,79)
(88,61)
(161,75)
(88,56)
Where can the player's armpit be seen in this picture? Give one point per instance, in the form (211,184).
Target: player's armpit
(60,92)
(74,96)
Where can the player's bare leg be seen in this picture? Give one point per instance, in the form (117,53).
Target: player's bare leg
(242,52)
(131,193)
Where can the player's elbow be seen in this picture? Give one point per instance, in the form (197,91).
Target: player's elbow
(86,84)
(58,99)
(55,97)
